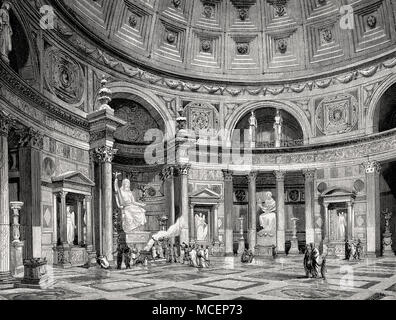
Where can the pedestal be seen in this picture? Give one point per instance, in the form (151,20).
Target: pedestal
(294,242)
(35,276)
(17,258)
(241,246)
(265,244)
(63,256)
(387,250)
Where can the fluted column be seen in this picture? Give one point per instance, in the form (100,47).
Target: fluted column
(63,219)
(88,209)
(280,191)
(373,170)
(252,177)
(309,205)
(192,223)
(228,212)
(183,172)
(169,192)
(30,157)
(106,156)
(5,271)
(215,223)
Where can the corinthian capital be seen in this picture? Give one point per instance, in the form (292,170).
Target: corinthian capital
(106,154)
(372,167)
(309,174)
(280,175)
(5,124)
(184,169)
(228,174)
(252,176)
(167,173)
(29,137)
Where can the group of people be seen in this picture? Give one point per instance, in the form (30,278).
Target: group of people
(193,254)
(353,250)
(314,263)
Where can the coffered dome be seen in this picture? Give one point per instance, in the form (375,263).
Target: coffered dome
(239,40)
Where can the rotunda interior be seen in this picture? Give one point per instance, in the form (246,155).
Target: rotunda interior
(210,110)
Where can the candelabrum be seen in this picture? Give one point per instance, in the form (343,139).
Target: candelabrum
(241,247)
(16,233)
(294,241)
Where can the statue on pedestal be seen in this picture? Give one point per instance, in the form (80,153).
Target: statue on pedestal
(201,227)
(278,125)
(268,217)
(133,214)
(71,225)
(5,32)
(387,236)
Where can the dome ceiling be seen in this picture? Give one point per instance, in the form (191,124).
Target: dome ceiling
(238,40)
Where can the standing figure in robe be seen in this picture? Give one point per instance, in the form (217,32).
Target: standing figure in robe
(341,226)
(133,214)
(201,227)
(71,225)
(278,129)
(5,32)
(253,129)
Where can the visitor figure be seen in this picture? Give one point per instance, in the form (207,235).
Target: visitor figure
(207,260)
(268,217)
(154,252)
(315,261)
(314,264)
(308,261)
(182,253)
(201,227)
(359,249)
(278,129)
(133,214)
(71,225)
(123,253)
(175,254)
(134,254)
(193,257)
(5,32)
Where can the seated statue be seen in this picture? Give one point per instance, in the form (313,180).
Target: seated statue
(133,214)
(268,217)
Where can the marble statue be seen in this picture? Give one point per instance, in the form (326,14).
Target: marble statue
(278,125)
(71,225)
(5,32)
(341,225)
(133,214)
(253,127)
(268,217)
(201,227)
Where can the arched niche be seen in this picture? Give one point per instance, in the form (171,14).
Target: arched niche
(384,117)
(21,58)
(292,133)
(288,107)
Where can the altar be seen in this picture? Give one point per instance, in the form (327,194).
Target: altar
(338,207)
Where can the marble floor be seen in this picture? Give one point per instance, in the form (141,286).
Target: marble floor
(226,279)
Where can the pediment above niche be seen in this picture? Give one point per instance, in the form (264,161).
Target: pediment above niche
(73,177)
(205,194)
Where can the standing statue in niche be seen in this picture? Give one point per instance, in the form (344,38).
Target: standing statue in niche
(71,225)
(268,217)
(252,129)
(133,214)
(341,225)
(5,32)
(201,227)
(278,125)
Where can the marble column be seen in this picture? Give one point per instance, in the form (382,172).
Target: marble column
(6,279)
(30,157)
(228,212)
(192,223)
(63,219)
(252,177)
(183,171)
(309,205)
(373,170)
(280,202)
(326,224)
(215,212)
(106,155)
(80,229)
(169,192)
(90,232)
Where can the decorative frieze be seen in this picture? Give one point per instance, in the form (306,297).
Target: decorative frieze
(29,137)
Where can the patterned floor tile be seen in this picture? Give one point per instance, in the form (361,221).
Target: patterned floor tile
(120,286)
(172,294)
(234,285)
